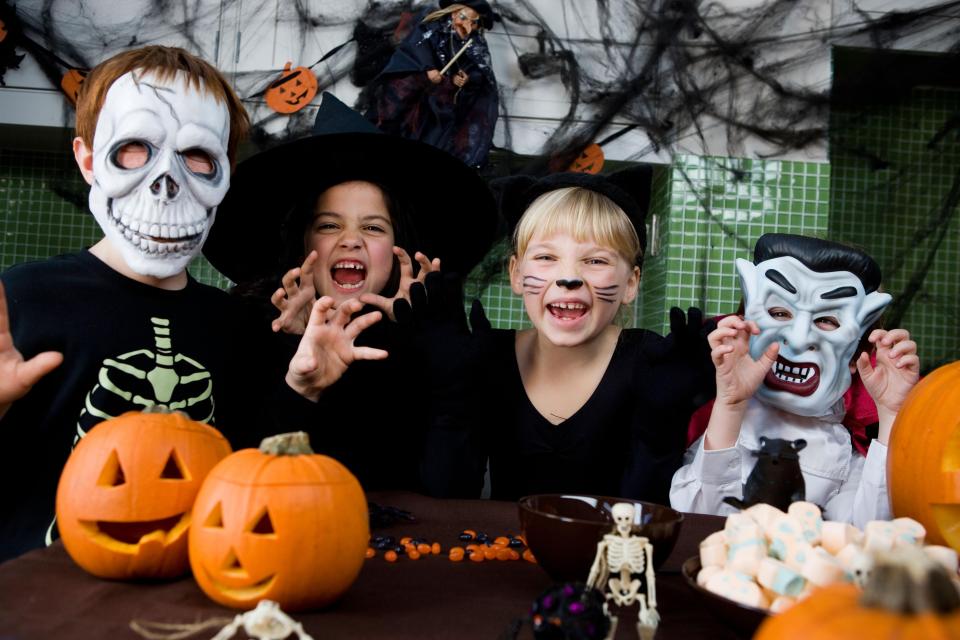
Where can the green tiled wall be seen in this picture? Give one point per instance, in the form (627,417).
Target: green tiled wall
(36,223)
(891,184)
(711,211)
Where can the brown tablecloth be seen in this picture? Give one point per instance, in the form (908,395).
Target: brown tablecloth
(44,595)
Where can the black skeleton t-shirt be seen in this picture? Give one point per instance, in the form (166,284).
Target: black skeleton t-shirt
(126,346)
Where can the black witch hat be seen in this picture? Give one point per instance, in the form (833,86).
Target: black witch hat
(450,206)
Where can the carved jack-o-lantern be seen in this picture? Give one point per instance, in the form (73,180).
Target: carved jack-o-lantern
(923,459)
(71,82)
(590,160)
(292,91)
(125,495)
(278,523)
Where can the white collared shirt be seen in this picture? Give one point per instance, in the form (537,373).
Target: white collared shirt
(844,484)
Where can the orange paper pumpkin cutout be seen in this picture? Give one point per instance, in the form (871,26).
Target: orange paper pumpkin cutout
(71,82)
(293,90)
(279,523)
(590,160)
(126,493)
(923,459)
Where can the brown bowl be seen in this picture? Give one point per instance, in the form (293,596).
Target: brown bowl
(743,619)
(562,531)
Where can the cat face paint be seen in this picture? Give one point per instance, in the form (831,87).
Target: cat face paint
(571,290)
(160,169)
(818,319)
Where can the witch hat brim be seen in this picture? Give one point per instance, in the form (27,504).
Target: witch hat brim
(451,207)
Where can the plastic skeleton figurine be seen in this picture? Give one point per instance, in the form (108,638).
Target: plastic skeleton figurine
(266,622)
(625,554)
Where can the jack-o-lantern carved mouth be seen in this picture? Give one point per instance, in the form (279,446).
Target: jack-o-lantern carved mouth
(295,100)
(128,536)
(257,590)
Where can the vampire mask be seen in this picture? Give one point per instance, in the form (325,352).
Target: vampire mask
(160,169)
(816,310)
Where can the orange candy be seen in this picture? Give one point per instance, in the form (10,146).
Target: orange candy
(456,554)
(390,556)
(503,540)
(413,554)
(528,556)
(371,552)
(436,548)
(503,554)
(423,548)
(477,556)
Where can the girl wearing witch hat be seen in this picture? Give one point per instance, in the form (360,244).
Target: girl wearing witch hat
(338,215)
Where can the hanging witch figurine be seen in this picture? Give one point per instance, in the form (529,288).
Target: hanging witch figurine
(439,87)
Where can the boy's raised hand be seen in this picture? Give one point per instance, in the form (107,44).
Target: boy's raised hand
(294,300)
(17,375)
(895,374)
(738,374)
(327,349)
(406,280)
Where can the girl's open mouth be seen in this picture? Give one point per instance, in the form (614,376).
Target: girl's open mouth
(567,311)
(349,274)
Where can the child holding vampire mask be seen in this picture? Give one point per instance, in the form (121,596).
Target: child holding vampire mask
(782,370)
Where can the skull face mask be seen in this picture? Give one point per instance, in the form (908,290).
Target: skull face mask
(818,319)
(160,169)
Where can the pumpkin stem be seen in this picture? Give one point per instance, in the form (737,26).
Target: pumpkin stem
(909,581)
(287,444)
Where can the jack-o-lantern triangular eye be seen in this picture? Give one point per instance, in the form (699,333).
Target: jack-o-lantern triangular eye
(262,524)
(174,469)
(112,473)
(215,519)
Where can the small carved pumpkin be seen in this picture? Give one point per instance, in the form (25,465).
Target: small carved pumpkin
(590,160)
(127,490)
(279,523)
(908,596)
(71,82)
(293,90)
(923,465)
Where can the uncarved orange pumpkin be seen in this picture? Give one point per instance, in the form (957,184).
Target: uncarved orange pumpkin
(279,523)
(126,493)
(292,91)
(907,597)
(923,460)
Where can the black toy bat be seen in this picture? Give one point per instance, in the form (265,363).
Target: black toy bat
(776,478)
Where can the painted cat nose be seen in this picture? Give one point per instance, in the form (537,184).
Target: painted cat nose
(570,284)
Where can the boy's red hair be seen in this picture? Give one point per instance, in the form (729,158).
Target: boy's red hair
(165,63)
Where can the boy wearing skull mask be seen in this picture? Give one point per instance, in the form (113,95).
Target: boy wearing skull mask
(122,326)
(782,370)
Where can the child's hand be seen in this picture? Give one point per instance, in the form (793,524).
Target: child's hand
(406,280)
(897,371)
(327,349)
(434,76)
(17,375)
(294,301)
(738,374)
